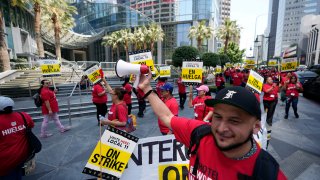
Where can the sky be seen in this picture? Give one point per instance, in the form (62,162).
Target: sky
(245,13)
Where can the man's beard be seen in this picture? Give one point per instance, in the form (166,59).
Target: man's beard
(233,146)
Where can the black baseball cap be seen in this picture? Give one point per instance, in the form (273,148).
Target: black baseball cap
(239,97)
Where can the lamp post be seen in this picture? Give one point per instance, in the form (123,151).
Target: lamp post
(255,26)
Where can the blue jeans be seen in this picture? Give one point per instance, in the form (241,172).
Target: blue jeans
(294,101)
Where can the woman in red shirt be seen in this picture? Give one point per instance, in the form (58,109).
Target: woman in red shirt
(127,96)
(219,82)
(118,114)
(270,98)
(292,93)
(99,98)
(50,109)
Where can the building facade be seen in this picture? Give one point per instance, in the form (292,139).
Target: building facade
(272,26)
(313,48)
(225,6)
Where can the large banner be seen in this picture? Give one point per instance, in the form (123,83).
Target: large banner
(289,64)
(50,67)
(142,57)
(165,71)
(191,72)
(161,157)
(111,155)
(93,74)
(273,62)
(255,81)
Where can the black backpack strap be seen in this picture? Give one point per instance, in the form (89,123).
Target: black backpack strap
(266,167)
(197,134)
(24,119)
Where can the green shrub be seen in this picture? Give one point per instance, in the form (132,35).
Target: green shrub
(184,52)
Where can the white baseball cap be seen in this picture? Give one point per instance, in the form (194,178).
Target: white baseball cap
(5,102)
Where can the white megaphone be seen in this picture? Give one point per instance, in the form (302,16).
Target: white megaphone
(123,68)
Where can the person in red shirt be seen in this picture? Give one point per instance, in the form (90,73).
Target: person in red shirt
(232,72)
(201,111)
(118,114)
(14,145)
(127,96)
(237,78)
(270,101)
(50,109)
(292,89)
(227,74)
(161,82)
(220,82)
(230,150)
(182,93)
(171,103)
(245,78)
(100,98)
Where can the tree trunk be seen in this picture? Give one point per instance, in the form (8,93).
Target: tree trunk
(56,35)
(199,42)
(4,55)
(127,53)
(118,52)
(145,46)
(152,47)
(37,29)
(226,42)
(112,54)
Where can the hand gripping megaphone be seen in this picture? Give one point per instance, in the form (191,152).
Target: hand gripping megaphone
(123,68)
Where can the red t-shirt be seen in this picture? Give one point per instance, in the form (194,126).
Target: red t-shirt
(181,86)
(158,86)
(47,95)
(213,164)
(272,95)
(237,79)
(292,90)
(227,73)
(13,141)
(119,112)
(219,81)
(199,106)
(245,77)
(172,104)
(127,96)
(97,89)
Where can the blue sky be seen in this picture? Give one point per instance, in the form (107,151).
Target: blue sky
(246,12)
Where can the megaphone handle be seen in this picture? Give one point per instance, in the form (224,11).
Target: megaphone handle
(136,82)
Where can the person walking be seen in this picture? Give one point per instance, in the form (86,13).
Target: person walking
(270,101)
(141,102)
(220,82)
(127,96)
(182,93)
(14,147)
(201,111)
(292,89)
(171,103)
(50,109)
(237,78)
(226,149)
(118,113)
(100,98)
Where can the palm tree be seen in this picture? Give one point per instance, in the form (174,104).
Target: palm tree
(4,55)
(139,37)
(200,32)
(154,33)
(126,37)
(229,31)
(59,16)
(112,41)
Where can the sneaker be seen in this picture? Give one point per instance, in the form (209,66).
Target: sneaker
(46,135)
(297,115)
(65,129)
(286,116)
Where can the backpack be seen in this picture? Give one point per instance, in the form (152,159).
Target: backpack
(266,167)
(129,124)
(37,100)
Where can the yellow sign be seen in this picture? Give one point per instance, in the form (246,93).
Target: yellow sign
(111,155)
(93,74)
(50,67)
(174,171)
(228,65)
(289,64)
(255,81)
(249,66)
(165,71)
(143,57)
(191,72)
(218,69)
(273,62)
(157,73)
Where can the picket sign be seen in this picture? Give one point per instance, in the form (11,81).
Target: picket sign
(191,72)
(93,74)
(255,81)
(50,67)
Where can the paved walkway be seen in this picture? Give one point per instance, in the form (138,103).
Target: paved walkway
(295,144)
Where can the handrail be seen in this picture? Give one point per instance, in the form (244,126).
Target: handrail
(69,97)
